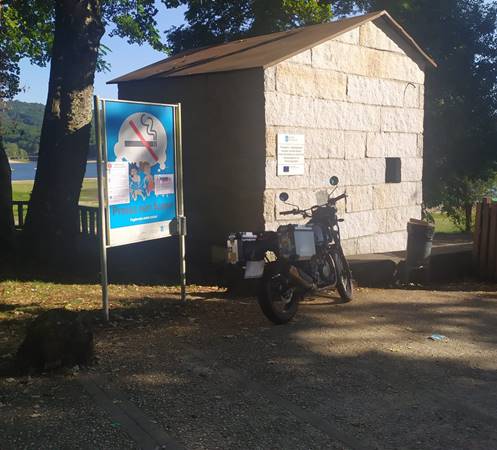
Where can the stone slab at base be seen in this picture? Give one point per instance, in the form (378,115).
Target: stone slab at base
(449,262)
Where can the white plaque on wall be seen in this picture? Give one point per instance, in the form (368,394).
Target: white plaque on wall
(291,154)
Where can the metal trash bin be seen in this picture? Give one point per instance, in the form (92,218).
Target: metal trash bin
(419,242)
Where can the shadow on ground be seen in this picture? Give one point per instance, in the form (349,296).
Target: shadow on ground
(213,373)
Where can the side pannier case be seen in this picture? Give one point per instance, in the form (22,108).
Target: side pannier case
(239,246)
(296,242)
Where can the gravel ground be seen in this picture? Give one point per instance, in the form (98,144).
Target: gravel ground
(214,374)
(54,413)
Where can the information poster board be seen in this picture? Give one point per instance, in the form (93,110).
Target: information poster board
(140,178)
(140,183)
(291,154)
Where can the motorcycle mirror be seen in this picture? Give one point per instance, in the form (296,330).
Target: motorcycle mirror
(334,180)
(284,196)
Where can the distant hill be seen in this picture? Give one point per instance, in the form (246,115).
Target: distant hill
(21,125)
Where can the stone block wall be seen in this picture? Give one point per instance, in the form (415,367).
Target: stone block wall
(358,99)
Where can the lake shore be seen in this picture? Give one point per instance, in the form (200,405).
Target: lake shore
(22,161)
(26,170)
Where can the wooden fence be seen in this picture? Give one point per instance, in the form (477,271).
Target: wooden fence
(87,218)
(485,240)
(20,210)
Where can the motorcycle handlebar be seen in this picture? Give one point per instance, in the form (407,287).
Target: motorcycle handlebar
(305,211)
(334,200)
(287,213)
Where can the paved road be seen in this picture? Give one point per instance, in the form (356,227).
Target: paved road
(214,374)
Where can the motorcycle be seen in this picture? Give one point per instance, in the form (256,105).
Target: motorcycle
(296,260)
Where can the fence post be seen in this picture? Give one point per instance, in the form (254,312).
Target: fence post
(20,214)
(84,221)
(476,237)
(485,228)
(93,228)
(492,241)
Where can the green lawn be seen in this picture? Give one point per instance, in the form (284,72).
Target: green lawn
(21,190)
(443,224)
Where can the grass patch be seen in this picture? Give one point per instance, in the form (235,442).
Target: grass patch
(443,224)
(22,301)
(21,191)
(89,193)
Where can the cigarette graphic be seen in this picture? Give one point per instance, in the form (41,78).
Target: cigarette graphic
(144,143)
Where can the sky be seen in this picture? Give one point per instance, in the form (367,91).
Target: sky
(124,58)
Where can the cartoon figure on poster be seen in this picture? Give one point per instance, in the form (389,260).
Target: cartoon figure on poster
(136,183)
(148,179)
(142,136)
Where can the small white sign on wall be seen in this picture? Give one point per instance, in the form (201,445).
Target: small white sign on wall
(291,154)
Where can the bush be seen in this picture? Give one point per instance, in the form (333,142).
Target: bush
(15,152)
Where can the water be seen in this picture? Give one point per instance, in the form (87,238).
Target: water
(27,170)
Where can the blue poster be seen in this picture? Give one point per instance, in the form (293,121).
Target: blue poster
(140,153)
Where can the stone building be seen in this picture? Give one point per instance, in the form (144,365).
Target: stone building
(353,88)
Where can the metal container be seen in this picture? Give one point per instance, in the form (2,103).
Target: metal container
(419,242)
(296,242)
(239,246)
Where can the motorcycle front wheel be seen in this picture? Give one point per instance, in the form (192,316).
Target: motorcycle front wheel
(278,299)
(344,281)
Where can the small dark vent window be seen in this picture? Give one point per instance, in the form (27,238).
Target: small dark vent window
(393,170)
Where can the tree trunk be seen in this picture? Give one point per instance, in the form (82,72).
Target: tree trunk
(52,225)
(468,219)
(6,215)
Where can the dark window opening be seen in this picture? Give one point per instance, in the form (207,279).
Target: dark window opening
(393,170)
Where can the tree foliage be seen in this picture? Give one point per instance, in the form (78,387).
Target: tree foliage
(221,21)
(460,194)
(9,71)
(29,25)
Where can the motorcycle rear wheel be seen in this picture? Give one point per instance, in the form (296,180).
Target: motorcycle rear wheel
(344,281)
(278,300)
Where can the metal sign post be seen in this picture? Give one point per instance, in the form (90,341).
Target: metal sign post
(101,210)
(180,205)
(140,178)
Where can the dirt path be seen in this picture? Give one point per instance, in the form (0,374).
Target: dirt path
(214,374)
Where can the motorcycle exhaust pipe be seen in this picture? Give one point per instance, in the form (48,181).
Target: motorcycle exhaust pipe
(297,277)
